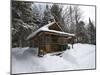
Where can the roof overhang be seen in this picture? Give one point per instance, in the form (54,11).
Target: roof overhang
(46,29)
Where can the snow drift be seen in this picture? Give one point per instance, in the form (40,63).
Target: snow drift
(25,60)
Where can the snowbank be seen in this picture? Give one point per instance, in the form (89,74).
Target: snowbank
(25,60)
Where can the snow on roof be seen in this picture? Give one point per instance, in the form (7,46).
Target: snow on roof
(46,28)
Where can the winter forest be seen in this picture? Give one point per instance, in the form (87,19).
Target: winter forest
(51,51)
(27,17)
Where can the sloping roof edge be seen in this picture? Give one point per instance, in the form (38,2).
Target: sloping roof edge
(46,28)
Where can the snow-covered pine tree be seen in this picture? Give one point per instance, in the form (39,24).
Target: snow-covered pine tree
(81,33)
(37,12)
(56,11)
(47,16)
(22,22)
(91,32)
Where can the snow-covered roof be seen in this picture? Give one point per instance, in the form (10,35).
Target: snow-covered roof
(46,28)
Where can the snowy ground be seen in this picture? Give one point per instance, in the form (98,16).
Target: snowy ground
(25,60)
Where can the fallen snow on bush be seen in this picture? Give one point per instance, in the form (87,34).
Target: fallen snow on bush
(25,60)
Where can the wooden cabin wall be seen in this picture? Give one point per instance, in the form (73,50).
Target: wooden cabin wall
(54,47)
(50,43)
(55,44)
(62,41)
(47,43)
(34,42)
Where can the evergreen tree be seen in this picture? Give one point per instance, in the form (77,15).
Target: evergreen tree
(91,32)
(36,10)
(81,33)
(56,11)
(47,16)
(22,17)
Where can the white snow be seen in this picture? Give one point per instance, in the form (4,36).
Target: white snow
(46,28)
(25,60)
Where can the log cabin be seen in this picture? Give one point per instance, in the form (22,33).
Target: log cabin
(50,38)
